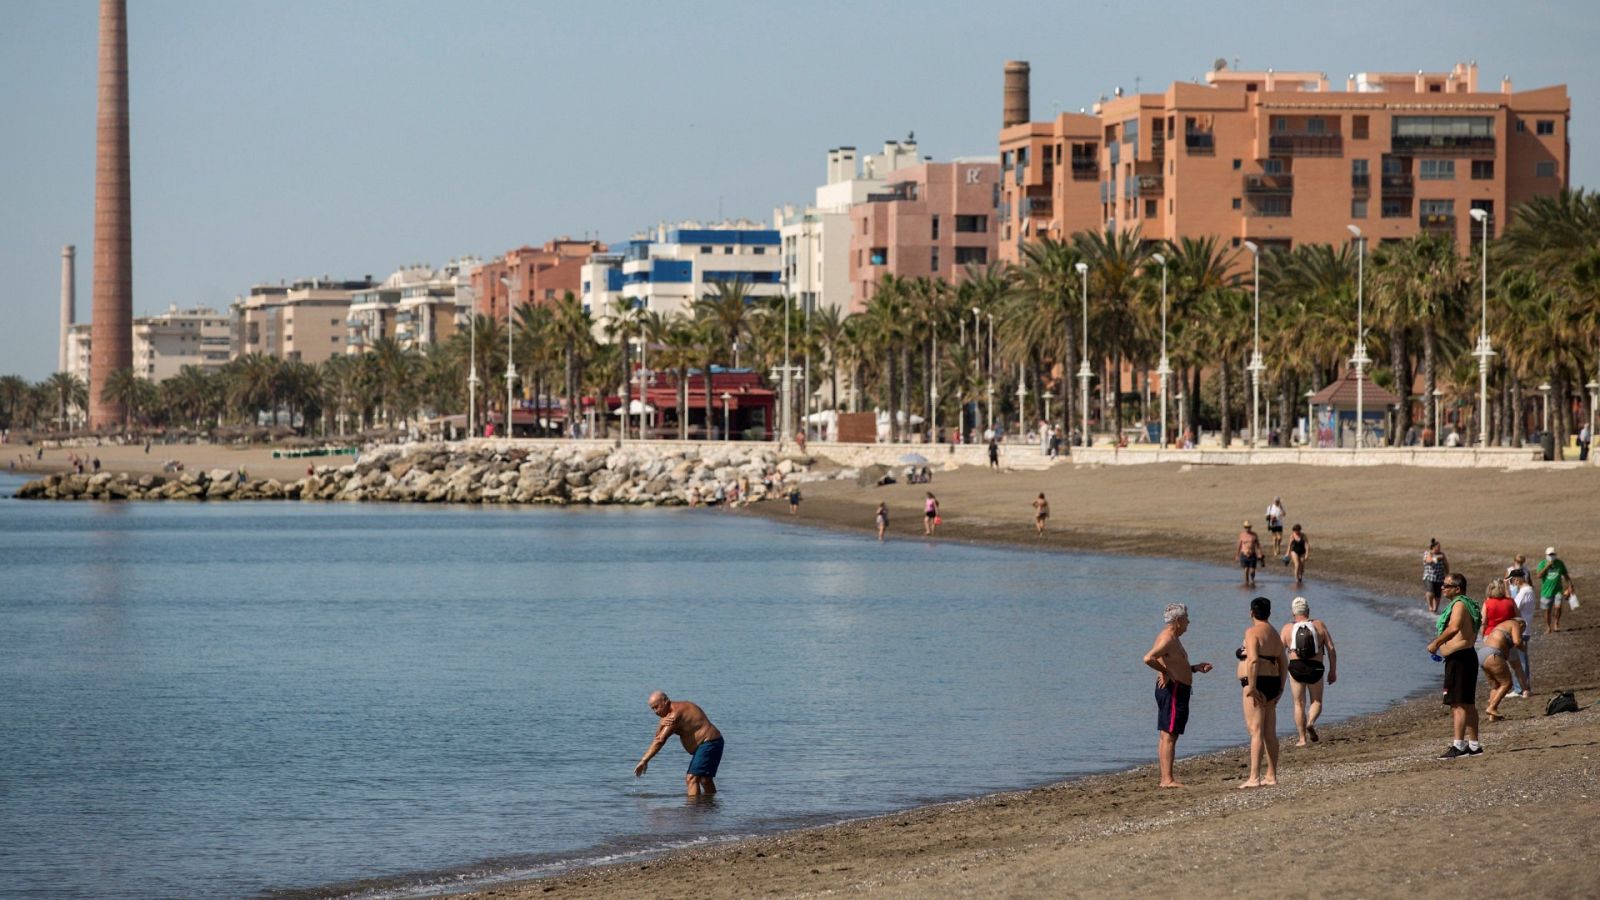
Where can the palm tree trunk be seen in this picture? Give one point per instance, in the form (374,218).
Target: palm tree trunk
(683,403)
(1222,390)
(1068,367)
(708,401)
(894,422)
(1430,341)
(905,382)
(1518,417)
(1402,380)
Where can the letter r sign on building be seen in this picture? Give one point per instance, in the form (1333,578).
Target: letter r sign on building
(972,175)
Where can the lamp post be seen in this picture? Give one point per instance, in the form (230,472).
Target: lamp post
(933,391)
(1083,365)
(1164,370)
(1048,396)
(511,364)
(1594,397)
(977,360)
(988,368)
(1438,419)
(1311,417)
(1360,359)
(1256,365)
(472,372)
(1179,397)
(1484,351)
(725,398)
(1544,395)
(1022,397)
(786,434)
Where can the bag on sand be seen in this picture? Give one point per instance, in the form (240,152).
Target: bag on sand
(1572,600)
(1564,702)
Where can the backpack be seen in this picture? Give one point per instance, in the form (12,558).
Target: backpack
(1563,702)
(1305,640)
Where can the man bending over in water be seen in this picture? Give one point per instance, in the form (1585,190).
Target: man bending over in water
(1174,680)
(700,738)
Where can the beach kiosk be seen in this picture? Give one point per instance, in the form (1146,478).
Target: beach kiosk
(1333,412)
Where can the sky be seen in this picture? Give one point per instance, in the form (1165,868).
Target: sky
(302,138)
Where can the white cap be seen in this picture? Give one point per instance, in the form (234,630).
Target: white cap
(1300,606)
(1549,551)
(1513,572)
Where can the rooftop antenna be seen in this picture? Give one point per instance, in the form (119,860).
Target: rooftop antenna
(1135,84)
(1218,64)
(1236,63)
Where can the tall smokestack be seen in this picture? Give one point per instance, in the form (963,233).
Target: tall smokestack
(69,302)
(111,332)
(1016,101)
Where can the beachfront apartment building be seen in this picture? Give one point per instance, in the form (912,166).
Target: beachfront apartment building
(816,238)
(78,341)
(305,321)
(1283,158)
(417,307)
(932,219)
(166,342)
(666,269)
(532,275)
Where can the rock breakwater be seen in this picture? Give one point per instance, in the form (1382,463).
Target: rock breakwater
(439,473)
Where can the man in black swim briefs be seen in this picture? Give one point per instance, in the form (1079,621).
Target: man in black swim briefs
(1264,663)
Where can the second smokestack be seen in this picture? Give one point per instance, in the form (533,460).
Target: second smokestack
(1016,110)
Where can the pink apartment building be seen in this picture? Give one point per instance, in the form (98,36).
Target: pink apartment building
(930,221)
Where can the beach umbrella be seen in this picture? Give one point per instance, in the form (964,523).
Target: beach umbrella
(914,459)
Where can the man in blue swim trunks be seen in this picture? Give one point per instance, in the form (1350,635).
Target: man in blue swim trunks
(1174,677)
(700,738)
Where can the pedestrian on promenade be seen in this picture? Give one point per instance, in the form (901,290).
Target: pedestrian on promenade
(700,739)
(1174,684)
(1041,512)
(1311,655)
(1452,644)
(1522,596)
(1249,548)
(1555,586)
(1275,517)
(1265,664)
(1434,566)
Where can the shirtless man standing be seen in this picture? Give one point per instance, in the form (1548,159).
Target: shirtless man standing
(700,738)
(1249,553)
(1174,681)
(1265,663)
(1307,670)
(1455,632)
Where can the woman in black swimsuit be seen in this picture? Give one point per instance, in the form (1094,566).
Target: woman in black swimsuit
(1264,662)
(1298,550)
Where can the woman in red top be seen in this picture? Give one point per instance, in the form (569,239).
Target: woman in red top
(1497,606)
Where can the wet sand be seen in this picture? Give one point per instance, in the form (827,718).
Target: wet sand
(1366,812)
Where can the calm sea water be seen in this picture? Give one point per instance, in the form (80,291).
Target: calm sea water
(240,699)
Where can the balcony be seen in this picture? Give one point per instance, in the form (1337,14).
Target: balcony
(1398,186)
(1275,184)
(1085,169)
(1038,207)
(1269,212)
(1305,143)
(1442,145)
(1149,184)
(1442,223)
(1200,143)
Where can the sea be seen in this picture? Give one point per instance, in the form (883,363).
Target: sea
(295,699)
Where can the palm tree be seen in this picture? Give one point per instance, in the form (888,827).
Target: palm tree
(67,391)
(887,333)
(1047,284)
(122,389)
(728,304)
(1198,270)
(1117,261)
(827,330)
(13,392)
(1421,288)
(573,331)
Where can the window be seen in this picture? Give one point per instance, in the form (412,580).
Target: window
(1236,164)
(1544,170)
(1393,209)
(1169,205)
(727,251)
(1358,209)
(935,222)
(1272,166)
(759,251)
(972,224)
(1545,126)
(1149,209)
(966,256)
(707,250)
(1237,203)
(1436,208)
(933,261)
(1279,123)
(1482,169)
(1236,242)
(1437,169)
(549,293)
(1358,127)
(333,321)
(1521,126)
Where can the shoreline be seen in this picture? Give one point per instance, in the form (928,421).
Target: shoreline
(1026,841)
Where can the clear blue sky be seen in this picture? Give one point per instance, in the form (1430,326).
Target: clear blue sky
(291,138)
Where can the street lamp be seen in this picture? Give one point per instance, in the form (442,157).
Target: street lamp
(977,359)
(1256,365)
(1083,366)
(1438,422)
(1164,370)
(511,364)
(988,368)
(1360,359)
(472,372)
(1179,397)
(1022,398)
(1311,417)
(1048,396)
(1594,397)
(1483,352)
(1544,394)
(725,398)
(786,433)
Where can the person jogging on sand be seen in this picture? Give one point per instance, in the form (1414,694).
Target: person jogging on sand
(1174,683)
(700,738)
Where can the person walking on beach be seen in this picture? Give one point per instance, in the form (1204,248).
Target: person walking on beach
(1275,516)
(994,453)
(1500,659)
(794,500)
(1299,549)
(1174,684)
(1454,633)
(1265,662)
(700,738)
(1434,566)
(1249,554)
(1522,596)
(1041,512)
(882,518)
(1311,653)
(930,514)
(1555,585)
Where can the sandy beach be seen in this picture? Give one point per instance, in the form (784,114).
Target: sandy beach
(1367,812)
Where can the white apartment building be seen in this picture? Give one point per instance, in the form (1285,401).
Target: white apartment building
(78,350)
(666,269)
(816,239)
(165,343)
(417,307)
